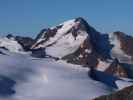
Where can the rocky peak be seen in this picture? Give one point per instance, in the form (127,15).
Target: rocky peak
(70,30)
(122,46)
(74,27)
(9,36)
(74,40)
(126,42)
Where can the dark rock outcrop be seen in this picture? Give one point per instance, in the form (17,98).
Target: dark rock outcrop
(116,69)
(47,34)
(39,53)
(129,69)
(26,42)
(10,36)
(96,46)
(124,94)
(84,55)
(105,78)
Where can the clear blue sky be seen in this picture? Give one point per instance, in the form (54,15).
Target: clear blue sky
(28,17)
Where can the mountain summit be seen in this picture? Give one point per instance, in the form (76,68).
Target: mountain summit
(77,42)
(71,40)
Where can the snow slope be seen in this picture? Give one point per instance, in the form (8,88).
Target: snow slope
(46,79)
(63,42)
(10,44)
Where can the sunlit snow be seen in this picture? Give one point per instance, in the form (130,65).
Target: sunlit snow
(46,79)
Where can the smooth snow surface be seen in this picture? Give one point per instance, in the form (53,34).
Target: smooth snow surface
(66,45)
(46,79)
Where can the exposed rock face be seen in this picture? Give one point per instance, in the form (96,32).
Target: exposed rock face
(124,94)
(128,68)
(39,53)
(9,36)
(122,47)
(26,42)
(116,69)
(84,55)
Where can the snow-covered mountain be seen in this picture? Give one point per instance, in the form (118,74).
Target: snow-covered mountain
(71,41)
(122,48)
(25,42)
(75,41)
(10,44)
(62,40)
(70,61)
